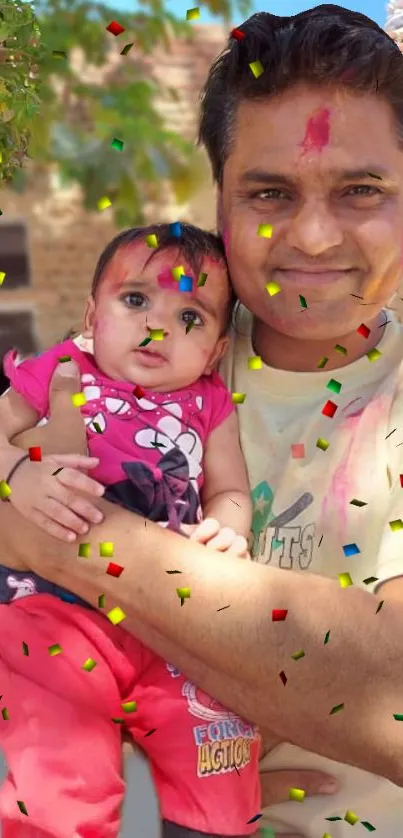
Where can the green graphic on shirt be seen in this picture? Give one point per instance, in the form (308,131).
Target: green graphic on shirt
(262,502)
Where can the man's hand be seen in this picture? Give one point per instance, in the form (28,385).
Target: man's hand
(276,787)
(222,539)
(46,493)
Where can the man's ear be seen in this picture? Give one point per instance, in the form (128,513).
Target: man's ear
(89,317)
(219,352)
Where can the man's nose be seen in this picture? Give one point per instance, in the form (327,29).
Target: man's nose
(315,229)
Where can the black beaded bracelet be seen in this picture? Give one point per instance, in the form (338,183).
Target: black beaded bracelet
(14,468)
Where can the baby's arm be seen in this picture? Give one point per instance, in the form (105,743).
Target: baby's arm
(16,415)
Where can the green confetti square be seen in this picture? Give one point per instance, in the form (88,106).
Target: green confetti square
(101,601)
(326,640)
(298,655)
(368,826)
(84,550)
(334,385)
(340,349)
(5,715)
(64,359)
(336,709)
(22,807)
(322,363)
(398,717)
(56,649)
(373,354)
(25,650)
(202,280)
(396,525)
(89,665)
(323,444)
(117,144)
(129,706)
(127,48)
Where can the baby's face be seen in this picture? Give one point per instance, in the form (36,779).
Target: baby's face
(135,298)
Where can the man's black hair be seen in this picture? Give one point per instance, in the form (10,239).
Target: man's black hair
(327,45)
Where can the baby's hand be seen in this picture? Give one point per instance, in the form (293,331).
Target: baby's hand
(223,539)
(51,501)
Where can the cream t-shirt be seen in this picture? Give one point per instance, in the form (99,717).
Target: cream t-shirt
(303,517)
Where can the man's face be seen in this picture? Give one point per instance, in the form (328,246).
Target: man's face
(337,234)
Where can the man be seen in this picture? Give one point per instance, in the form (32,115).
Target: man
(303,135)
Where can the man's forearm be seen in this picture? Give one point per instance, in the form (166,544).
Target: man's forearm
(237,653)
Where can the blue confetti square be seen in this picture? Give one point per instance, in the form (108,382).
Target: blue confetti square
(350,550)
(185,283)
(175,229)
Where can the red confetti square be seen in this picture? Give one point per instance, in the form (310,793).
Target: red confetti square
(139,392)
(237,34)
(329,409)
(283,677)
(298,451)
(279,614)
(401,480)
(114,569)
(115,28)
(35,454)
(363,330)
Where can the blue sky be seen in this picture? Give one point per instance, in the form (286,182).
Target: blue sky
(376,9)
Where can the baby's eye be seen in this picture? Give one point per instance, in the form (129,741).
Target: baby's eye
(191,316)
(134,300)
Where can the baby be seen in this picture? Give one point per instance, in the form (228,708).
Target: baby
(163,439)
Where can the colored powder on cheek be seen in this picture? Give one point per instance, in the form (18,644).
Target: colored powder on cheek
(317,132)
(166,280)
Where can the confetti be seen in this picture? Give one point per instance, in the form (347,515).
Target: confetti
(89,665)
(193,14)
(97,427)
(380,606)
(255,818)
(138,392)
(183,593)
(256,68)
(35,454)
(175,229)
(117,144)
(2,274)
(298,655)
(326,835)
(84,550)
(265,230)
(329,409)
(5,490)
(368,826)
(129,706)
(321,539)
(59,53)
(335,818)
(224,608)
(101,601)
(333,385)
(279,615)
(145,342)
(106,549)
(115,570)
(341,349)
(255,363)
(364,331)
(298,451)
(150,732)
(322,363)
(398,717)
(186,283)
(104,203)
(5,715)
(374,354)
(345,580)
(302,301)
(64,359)
(127,48)
(177,272)
(323,444)
(272,288)
(25,650)
(359,503)
(238,398)
(326,640)
(351,550)
(157,334)
(54,650)
(116,615)
(152,240)
(369,580)
(115,28)
(78,399)
(202,279)
(396,525)
(22,807)
(296,794)
(237,34)
(336,709)
(351,818)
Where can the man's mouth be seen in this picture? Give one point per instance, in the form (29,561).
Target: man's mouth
(314,276)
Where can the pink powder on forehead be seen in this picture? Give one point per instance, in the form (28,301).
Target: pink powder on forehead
(317,132)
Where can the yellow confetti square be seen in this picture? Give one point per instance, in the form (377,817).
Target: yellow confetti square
(152,240)
(78,399)
(296,794)
(255,363)
(116,615)
(238,398)
(396,525)
(345,580)
(89,665)
(265,230)
(104,203)
(351,818)
(106,549)
(323,444)
(2,277)
(157,334)
(56,649)
(178,272)
(5,490)
(257,68)
(193,14)
(272,288)
(183,593)
(373,354)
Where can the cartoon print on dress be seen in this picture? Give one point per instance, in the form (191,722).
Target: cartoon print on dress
(224,740)
(22,587)
(272,540)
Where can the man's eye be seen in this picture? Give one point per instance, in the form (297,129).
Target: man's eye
(190,316)
(364,190)
(270,194)
(134,300)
